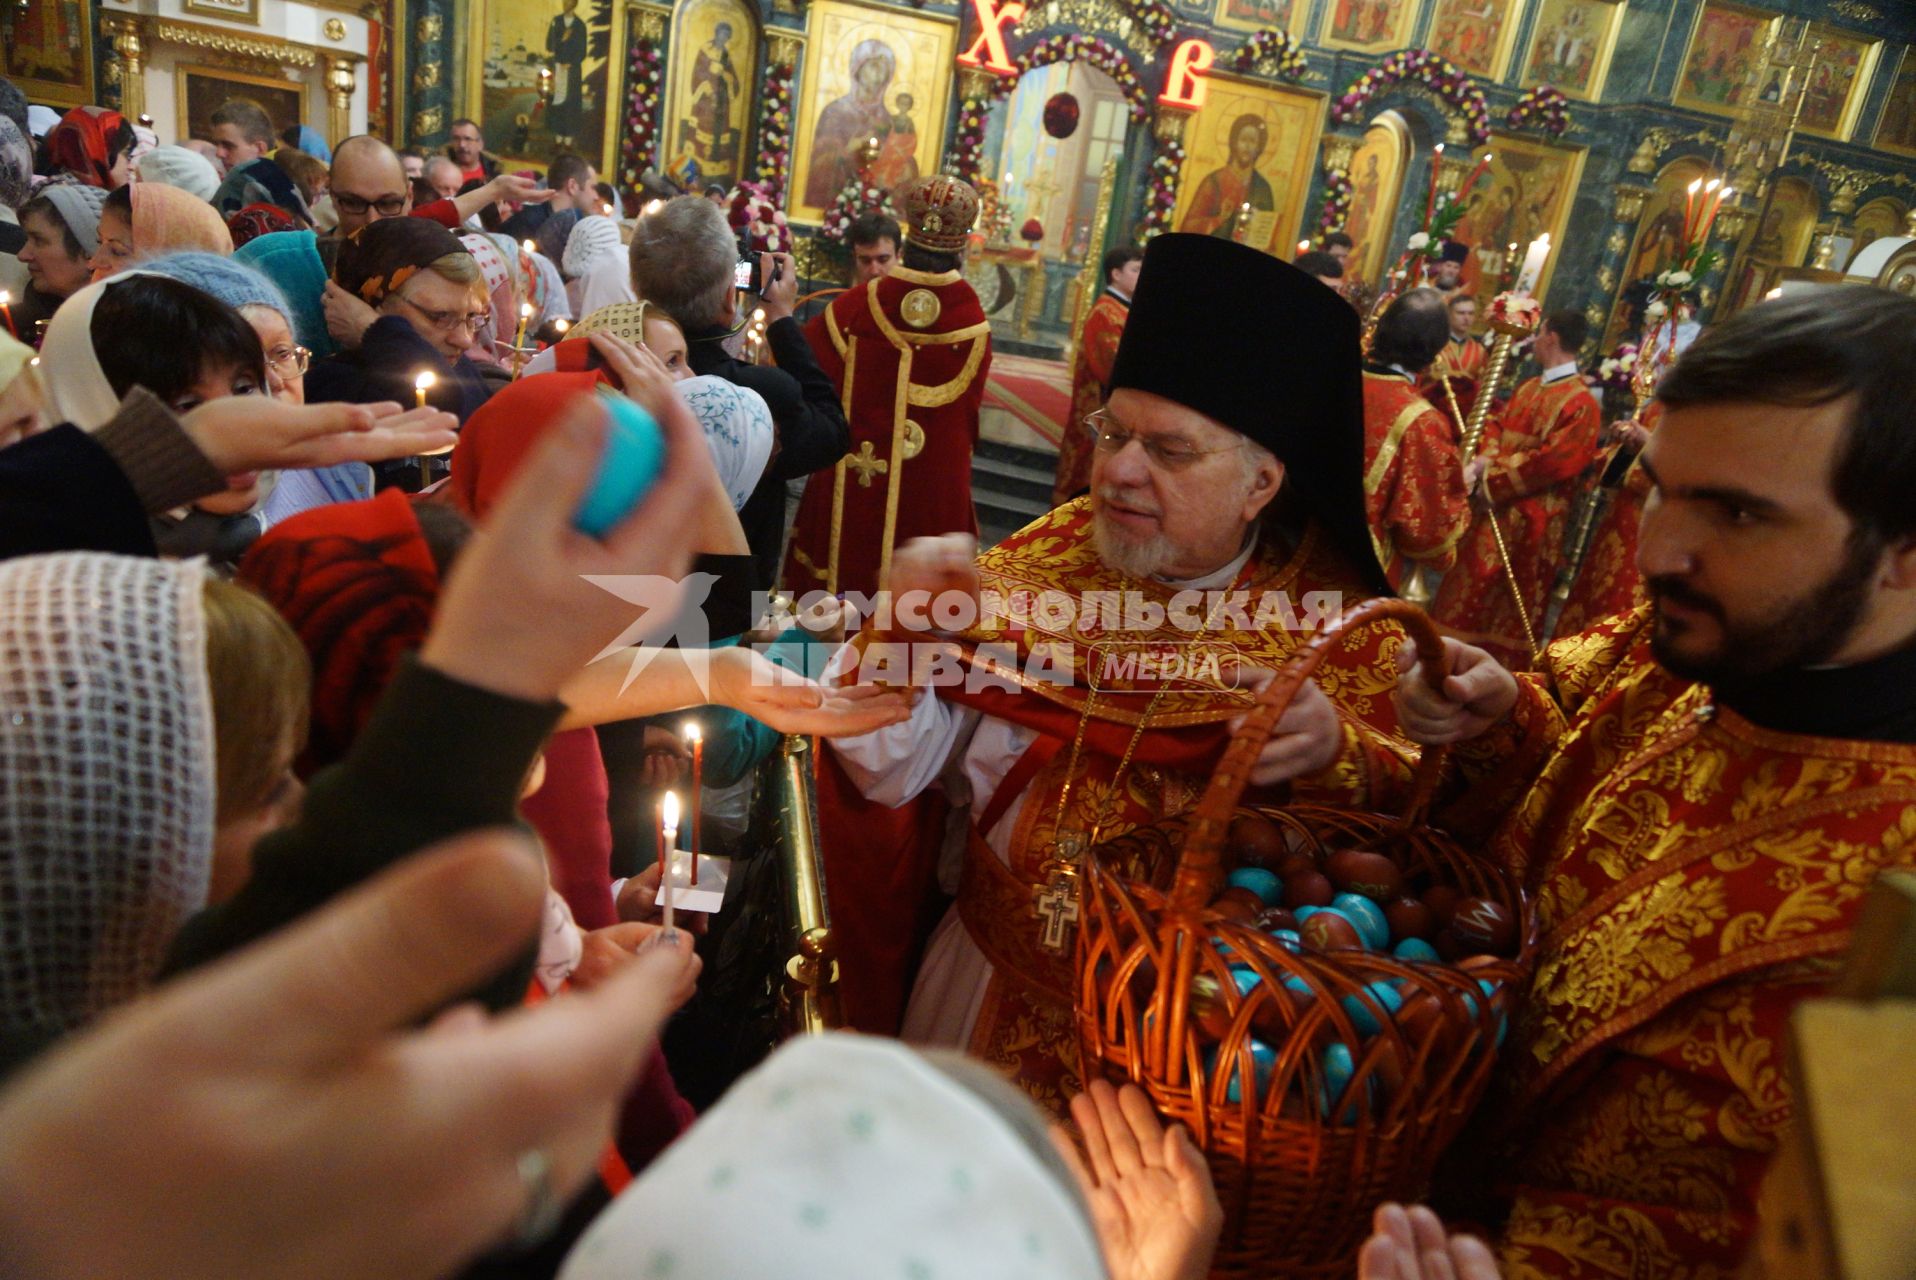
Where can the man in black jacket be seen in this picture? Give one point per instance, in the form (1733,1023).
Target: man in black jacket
(683,257)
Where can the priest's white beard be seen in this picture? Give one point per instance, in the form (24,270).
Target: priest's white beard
(1132,557)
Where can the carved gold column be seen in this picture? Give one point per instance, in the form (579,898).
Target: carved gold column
(340,84)
(1090,282)
(129,67)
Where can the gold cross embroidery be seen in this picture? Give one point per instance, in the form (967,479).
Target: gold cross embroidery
(867,464)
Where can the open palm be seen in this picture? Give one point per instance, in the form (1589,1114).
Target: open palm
(1151,1198)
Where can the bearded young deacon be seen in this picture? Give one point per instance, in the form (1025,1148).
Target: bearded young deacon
(1208,489)
(1699,793)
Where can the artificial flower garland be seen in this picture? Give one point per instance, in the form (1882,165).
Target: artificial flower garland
(1337,202)
(1274,47)
(857,197)
(775,131)
(968,145)
(641,105)
(1161,192)
(1421,67)
(1542,108)
(1073,47)
(755,217)
(1159,23)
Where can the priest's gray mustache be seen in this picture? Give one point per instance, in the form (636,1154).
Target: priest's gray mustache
(1111,493)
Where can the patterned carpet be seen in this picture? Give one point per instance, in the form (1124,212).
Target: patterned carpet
(1035,392)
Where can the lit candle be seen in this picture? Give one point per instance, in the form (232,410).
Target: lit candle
(1475,174)
(422,384)
(651,207)
(1303,247)
(1436,165)
(1533,262)
(519,340)
(691,734)
(1710,221)
(1689,210)
(532,248)
(562,325)
(668,850)
(6,308)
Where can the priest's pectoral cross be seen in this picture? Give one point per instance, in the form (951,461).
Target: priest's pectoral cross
(867,464)
(1056,900)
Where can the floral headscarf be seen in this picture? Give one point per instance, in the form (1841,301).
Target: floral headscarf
(381,256)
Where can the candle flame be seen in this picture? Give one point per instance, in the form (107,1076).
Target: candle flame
(669,811)
(1727,193)
(1696,186)
(528,246)
(425,380)
(652,207)
(561,324)
(691,731)
(758,315)
(5,297)
(525,310)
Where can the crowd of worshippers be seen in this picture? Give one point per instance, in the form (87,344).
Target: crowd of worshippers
(329,883)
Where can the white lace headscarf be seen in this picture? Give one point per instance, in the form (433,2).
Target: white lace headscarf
(107,779)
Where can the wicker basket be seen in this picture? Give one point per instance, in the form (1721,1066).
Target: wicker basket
(1302,1158)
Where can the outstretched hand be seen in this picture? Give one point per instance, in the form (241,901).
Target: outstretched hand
(1411,1244)
(288,1095)
(259,433)
(1152,1202)
(748,681)
(1306,738)
(1475,694)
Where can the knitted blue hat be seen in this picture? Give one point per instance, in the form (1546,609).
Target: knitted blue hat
(290,259)
(234,283)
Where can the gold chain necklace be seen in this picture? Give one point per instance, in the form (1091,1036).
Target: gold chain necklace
(1056,899)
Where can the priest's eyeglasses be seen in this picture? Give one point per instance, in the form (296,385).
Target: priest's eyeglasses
(1110,438)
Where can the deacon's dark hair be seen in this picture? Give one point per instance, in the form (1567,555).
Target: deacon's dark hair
(1570,326)
(1411,331)
(566,168)
(202,333)
(1338,240)
(929,261)
(1814,349)
(872,226)
(290,136)
(608,194)
(1119,258)
(1317,263)
(248,116)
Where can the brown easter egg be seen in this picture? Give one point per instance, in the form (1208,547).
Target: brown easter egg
(1442,901)
(1480,925)
(1269,1021)
(1254,841)
(1311,889)
(1409,918)
(1328,931)
(1419,1017)
(1296,863)
(1371,874)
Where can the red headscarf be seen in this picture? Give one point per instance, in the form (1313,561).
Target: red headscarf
(497,438)
(356,582)
(259,220)
(82,143)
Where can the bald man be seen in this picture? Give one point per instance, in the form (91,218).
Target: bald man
(369,183)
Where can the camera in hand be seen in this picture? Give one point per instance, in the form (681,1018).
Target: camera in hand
(746,275)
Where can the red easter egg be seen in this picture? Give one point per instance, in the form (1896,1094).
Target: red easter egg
(1235,903)
(1296,863)
(1254,841)
(1481,925)
(1420,1016)
(1310,889)
(1442,901)
(1328,931)
(1409,918)
(1371,874)
(1207,1013)
(1277,918)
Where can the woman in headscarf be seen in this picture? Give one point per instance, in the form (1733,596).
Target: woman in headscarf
(62,226)
(210,351)
(263,306)
(492,344)
(147,219)
(290,259)
(858,1156)
(257,220)
(94,146)
(595,264)
(738,430)
(424,293)
(182,167)
(147,732)
(639,323)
